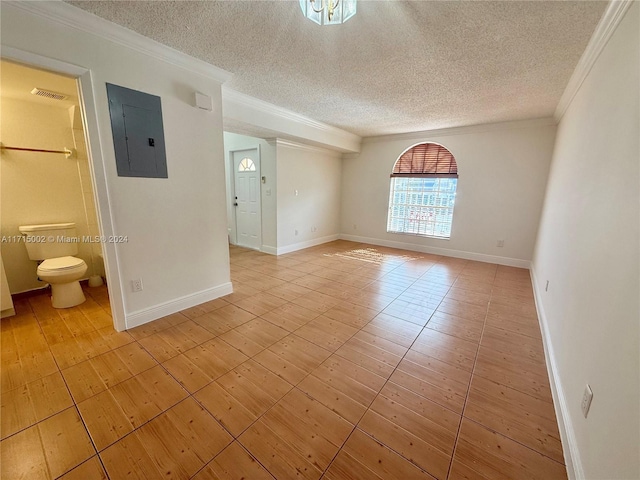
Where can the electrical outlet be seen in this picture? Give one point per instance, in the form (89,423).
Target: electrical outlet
(314,229)
(295,232)
(546,287)
(587,396)
(500,243)
(295,192)
(136,285)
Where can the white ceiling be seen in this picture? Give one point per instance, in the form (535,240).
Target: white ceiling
(395,67)
(17,81)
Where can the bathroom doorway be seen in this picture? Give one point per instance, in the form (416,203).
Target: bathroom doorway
(49,175)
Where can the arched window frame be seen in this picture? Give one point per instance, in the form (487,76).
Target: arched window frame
(422,192)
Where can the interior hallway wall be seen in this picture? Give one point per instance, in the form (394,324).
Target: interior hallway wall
(588,249)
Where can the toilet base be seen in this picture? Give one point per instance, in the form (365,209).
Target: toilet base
(66,295)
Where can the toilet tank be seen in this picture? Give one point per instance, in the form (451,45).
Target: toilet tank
(50,241)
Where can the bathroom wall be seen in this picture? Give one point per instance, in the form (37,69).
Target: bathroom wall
(38,188)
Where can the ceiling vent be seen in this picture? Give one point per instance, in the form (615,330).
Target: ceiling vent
(48,94)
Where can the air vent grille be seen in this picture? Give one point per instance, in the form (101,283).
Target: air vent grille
(48,94)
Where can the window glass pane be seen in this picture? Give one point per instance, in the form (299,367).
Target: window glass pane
(421,206)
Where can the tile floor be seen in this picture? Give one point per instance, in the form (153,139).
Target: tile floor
(343,361)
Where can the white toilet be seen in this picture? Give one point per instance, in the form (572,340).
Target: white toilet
(60,268)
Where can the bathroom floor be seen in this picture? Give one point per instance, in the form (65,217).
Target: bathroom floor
(342,361)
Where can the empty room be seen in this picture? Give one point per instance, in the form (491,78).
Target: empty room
(320,239)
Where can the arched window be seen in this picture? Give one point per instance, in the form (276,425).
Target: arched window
(423,192)
(246,165)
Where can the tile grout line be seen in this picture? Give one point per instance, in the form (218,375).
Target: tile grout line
(475,360)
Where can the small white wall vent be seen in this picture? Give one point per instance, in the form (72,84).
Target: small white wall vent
(48,94)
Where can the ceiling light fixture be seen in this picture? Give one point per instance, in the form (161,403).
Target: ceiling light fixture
(328,12)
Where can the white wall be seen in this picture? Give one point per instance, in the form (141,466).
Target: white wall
(176,227)
(502,176)
(38,188)
(315,174)
(233,141)
(588,250)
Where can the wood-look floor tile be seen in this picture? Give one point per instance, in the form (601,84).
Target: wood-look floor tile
(288,291)
(327,333)
(362,454)
(97,374)
(292,358)
(431,384)
(380,342)
(340,291)
(115,412)
(481,453)
(411,312)
(297,434)
(351,314)
(446,348)
(254,336)
(173,341)
(514,323)
(464,328)
(462,309)
(206,307)
(512,343)
(513,371)
(33,402)
(393,329)
(238,398)
(89,345)
(224,319)
(203,364)
(21,366)
(468,296)
(260,303)
(316,301)
(369,356)
(290,316)
(373,301)
(233,463)
(48,449)
(410,446)
(68,324)
(91,469)
(280,458)
(310,281)
(497,310)
(443,423)
(157,325)
(516,415)
(473,284)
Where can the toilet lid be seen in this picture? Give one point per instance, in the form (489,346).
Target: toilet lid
(61,263)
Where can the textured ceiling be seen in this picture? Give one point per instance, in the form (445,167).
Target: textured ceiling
(395,67)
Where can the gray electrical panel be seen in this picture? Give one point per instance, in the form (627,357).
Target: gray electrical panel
(138,136)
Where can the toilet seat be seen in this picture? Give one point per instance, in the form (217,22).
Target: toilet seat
(60,264)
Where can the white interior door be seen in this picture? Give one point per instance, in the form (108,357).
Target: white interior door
(246,174)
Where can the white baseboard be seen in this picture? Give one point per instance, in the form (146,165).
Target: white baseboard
(269,249)
(446,252)
(567,434)
(147,315)
(307,244)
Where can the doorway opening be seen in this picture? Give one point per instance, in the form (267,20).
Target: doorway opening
(245,196)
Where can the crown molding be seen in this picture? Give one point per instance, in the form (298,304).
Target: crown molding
(309,148)
(480,128)
(232,96)
(73,17)
(604,30)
